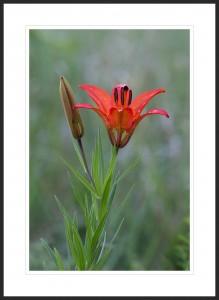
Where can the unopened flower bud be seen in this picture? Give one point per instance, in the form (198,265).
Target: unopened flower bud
(72,115)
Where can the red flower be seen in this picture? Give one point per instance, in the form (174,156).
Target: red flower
(119,113)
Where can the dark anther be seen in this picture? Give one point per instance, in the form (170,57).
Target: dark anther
(122,96)
(130,97)
(115,95)
(125,88)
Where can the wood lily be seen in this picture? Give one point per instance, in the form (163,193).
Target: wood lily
(118,111)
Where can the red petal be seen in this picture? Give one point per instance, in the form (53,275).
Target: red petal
(153,111)
(97,110)
(98,95)
(83,105)
(156,111)
(143,99)
(121,119)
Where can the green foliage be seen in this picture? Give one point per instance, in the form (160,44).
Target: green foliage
(54,254)
(88,185)
(178,253)
(90,252)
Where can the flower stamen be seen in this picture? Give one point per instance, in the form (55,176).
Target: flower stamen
(115,95)
(130,97)
(122,96)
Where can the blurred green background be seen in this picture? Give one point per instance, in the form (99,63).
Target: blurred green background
(155,232)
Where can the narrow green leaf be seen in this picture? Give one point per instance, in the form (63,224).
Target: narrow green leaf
(95,206)
(104,256)
(79,246)
(112,193)
(129,169)
(98,163)
(81,178)
(101,160)
(73,246)
(117,231)
(120,206)
(90,219)
(53,254)
(111,166)
(78,196)
(58,260)
(124,201)
(97,235)
(102,248)
(69,239)
(61,207)
(73,238)
(99,265)
(107,183)
(47,248)
(68,229)
(91,225)
(95,166)
(105,197)
(88,240)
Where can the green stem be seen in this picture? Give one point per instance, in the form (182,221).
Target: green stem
(85,162)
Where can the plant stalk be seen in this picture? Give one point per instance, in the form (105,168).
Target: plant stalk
(85,162)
